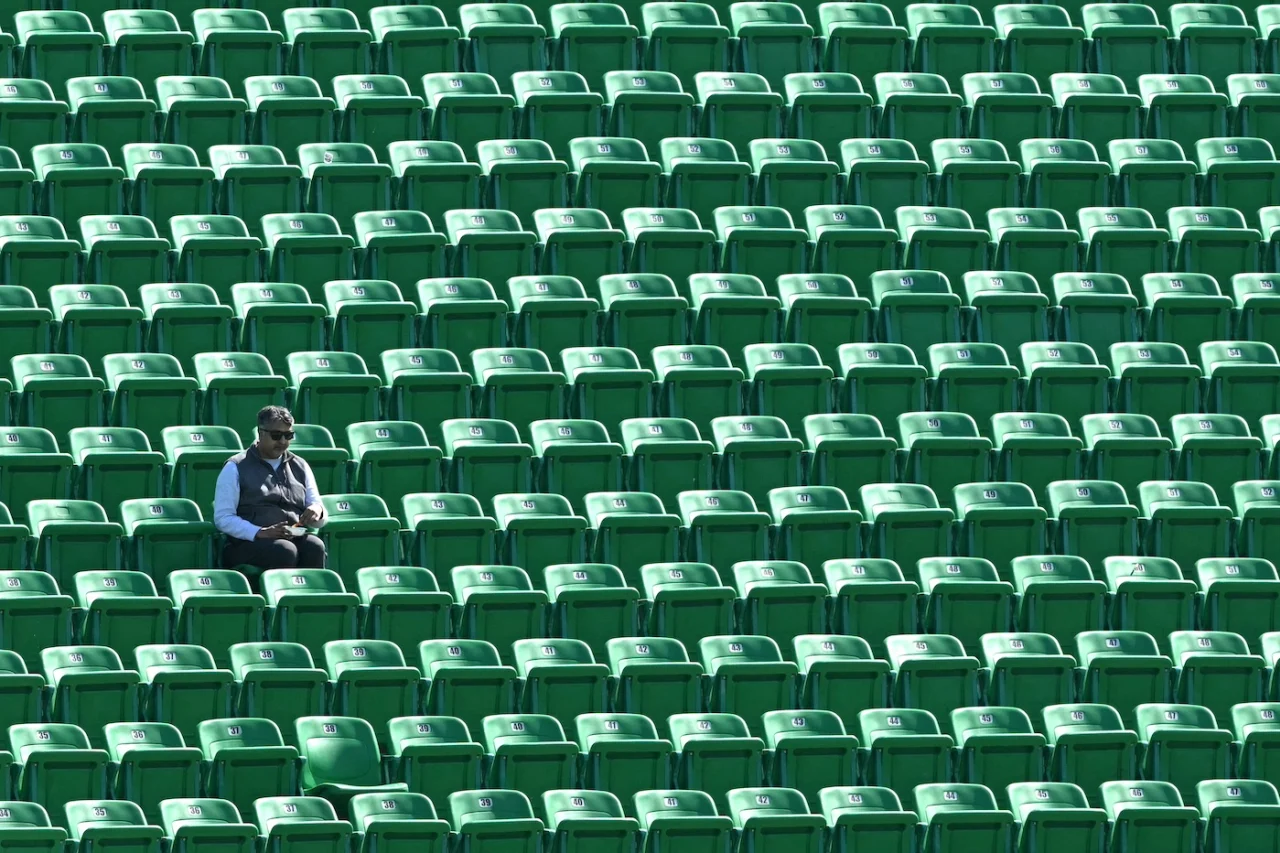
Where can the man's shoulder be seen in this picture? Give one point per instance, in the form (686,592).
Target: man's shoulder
(238,458)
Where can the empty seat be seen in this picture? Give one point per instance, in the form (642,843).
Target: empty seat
(287,112)
(738,107)
(1088,745)
(689,604)
(557,107)
(1123,669)
(1128,42)
(905,749)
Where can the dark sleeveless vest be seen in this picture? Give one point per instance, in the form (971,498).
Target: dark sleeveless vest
(270,496)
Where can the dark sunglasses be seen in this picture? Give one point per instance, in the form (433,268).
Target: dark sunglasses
(277,435)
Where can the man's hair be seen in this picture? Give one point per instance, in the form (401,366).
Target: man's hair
(271,414)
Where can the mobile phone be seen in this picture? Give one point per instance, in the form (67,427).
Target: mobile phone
(297,531)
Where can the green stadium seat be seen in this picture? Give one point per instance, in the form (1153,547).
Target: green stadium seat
(110,112)
(502,820)
(965,599)
(344,180)
(578,818)
(738,107)
(1064,380)
(290,823)
(1128,42)
(1230,809)
(165,181)
(1126,449)
(1045,807)
(1150,595)
(1036,449)
(703,174)
(487,458)
(1216,670)
(1187,101)
(999,522)
(186,320)
(685,40)
(89,688)
(1006,108)
(608,386)
(148,391)
(200,112)
(1238,172)
(490,244)
(1253,97)
(248,759)
(594,40)
(1155,379)
(1089,745)
(1241,378)
(631,530)
(1151,175)
(57,46)
(236,385)
(288,111)
(1213,42)
(340,753)
(580,242)
(414,41)
(278,683)
(669,242)
(839,674)
(904,749)
(540,530)
(77,180)
(757,454)
(881,381)
(907,524)
(368,317)
(377,109)
(460,315)
(623,755)
(1028,671)
(975,379)
(1039,42)
(763,240)
(715,753)
(524,176)
(748,677)
(184,688)
(652,678)
(975,175)
(561,680)
(518,385)
(309,607)
(35,249)
(1186,521)
(1062,174)
(1213,240)
(773,41)
(31,116)
(449,529)
(216,249)
(57,766)
(933,671)
(206,450)
(943,450)
(434,177)
(916,108)
(307,248)
(858,814)
(28,824)
(499,605)
(591,602)
(957,815)
(466,108)
(413,821)
(576,459)
(688,602)
(828,108)
(1123,669)
(165,532)
(120,610)
(1239,596)
(814,524)
(152,762)
(502,42)
(997,748)
(885,174)
(26,327)
(392,459)
(112,823)
(1032,240)
(215,608)
(1217,450)
(1096,107)
(848,448)
(917,307)
(871,596)
(552,310)
(72,533)
(1254,727)
(31,467)
(793,174)
(771,819)
(403,605)
(34,615)
(1182,745)
(430,753)
(557,107)
(237,44)
(332,389)
(468,682)
(614,173)
(938,238)
(724,527)
(1058,596)
(530,755)
(17,185)
(254,181)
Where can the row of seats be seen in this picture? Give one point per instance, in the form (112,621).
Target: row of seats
(715,749)
(948,818)
(770,38)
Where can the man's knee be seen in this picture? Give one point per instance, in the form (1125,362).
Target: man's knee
(310,551)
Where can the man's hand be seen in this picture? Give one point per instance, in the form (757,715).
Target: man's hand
(311,515)
(279,530)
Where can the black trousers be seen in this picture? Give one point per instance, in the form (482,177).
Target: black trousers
(304,552)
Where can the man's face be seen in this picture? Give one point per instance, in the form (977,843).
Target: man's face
(274,438)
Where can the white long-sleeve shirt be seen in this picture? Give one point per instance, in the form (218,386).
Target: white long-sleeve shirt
(226,500)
